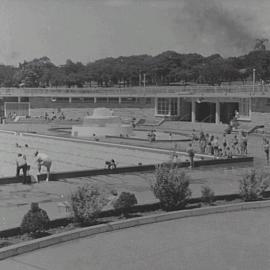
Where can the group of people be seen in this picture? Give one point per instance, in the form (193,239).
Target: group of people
(224,147)
(54,116)
(12,116)
(42,160)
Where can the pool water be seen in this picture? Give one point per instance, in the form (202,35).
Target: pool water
(69,156)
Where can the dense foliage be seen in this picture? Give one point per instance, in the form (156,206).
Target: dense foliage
(171,187)
(35,221)
(86,204)
(124,202)
(166,68)
(252,185)
(208,195)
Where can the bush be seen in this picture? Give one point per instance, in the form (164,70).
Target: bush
(171,187)
(35,221)
(208,195)
(124,202)
(86,204)
(252,186)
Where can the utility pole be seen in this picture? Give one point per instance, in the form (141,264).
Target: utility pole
(254,79)
(144,77)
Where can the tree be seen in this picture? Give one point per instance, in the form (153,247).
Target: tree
(260,44)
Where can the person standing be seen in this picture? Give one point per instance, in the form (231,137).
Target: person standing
(21,165)
(43,160)
(191,155)
(266,149)
(235,145)
(224,144)
(215,146)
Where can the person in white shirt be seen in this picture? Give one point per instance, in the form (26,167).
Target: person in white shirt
(22,165)
(43,160)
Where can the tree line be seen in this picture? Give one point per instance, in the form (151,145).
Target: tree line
(167,68)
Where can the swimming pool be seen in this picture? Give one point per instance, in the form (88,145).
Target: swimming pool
(73,155)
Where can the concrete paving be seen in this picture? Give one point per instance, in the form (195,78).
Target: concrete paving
(227,241)
(16,198)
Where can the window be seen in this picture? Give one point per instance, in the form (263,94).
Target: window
(24,99)
(163,106)
(102,100)
(77,100)
(60,100)
(128,100)
(113,100)
(174,107)
(89,100)
(148,101)
(244,107)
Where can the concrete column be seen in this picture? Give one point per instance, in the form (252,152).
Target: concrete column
(19,99)
(119,100)
(156,104)
(250,108)
(70,100)
(178,106)
(170,107)
(217,112)
(95,99)
(193,111)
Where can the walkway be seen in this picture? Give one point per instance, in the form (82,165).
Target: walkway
(227,241)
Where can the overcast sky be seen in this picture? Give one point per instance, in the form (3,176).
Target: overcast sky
(86,30)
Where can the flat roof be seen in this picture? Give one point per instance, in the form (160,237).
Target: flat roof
(149,91)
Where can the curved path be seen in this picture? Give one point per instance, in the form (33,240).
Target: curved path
(227,241)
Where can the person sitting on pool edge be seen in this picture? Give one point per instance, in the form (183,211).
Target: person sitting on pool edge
(43,160)
(111,164)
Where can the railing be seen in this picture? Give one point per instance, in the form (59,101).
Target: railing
(142,91)
(208,117)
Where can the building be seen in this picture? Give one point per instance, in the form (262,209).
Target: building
(184,103)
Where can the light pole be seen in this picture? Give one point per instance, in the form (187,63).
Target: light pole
(254,78)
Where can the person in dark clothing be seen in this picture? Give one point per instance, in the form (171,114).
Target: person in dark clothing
(111,164)
(191,154)
(22,165)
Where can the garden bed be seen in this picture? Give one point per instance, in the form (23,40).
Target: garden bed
(13,236)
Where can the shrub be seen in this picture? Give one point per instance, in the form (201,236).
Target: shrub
(124,202)
(171,187)
(35,221)
(86,204)
(252,185)
(208,195)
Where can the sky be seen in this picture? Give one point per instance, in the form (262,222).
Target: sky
(87,30)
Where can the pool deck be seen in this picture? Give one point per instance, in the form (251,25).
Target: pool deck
(16,198)
(223,179)
(224,241)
